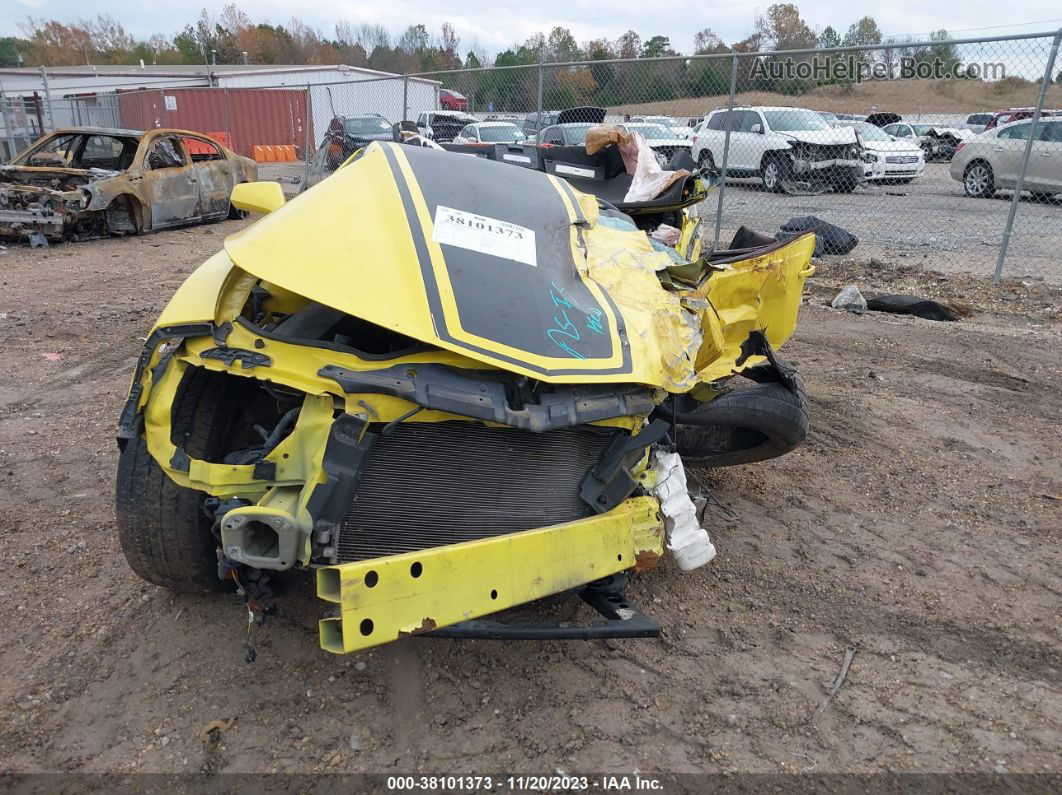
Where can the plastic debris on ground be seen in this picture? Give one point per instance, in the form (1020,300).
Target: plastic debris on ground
(911,305)
(829,239)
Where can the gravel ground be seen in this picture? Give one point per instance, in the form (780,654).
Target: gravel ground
(919,526)
(929,222)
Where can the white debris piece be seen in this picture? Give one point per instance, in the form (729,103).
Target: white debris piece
(668,235)
(686,539)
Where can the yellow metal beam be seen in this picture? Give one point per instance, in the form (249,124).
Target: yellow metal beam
(385,598)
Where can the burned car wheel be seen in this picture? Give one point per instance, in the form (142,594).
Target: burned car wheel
(164,531)
(978,181)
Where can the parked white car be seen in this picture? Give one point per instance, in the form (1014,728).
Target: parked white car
(781,146)
(662,140)
(886,159)
(992,160)
(490,132)
(680,129)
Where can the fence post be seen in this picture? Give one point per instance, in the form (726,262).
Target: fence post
(1044,85)
(47,98)
(307,124)
(405,97)
(538,104)
(9,131)
(726,150)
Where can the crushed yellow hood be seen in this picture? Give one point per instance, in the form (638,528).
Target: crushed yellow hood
(504,265)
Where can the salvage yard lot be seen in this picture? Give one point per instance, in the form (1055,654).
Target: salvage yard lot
(918,525)
(929,222)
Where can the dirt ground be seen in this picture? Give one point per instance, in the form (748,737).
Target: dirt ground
(919,526)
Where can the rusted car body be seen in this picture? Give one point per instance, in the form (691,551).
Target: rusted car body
(86,182)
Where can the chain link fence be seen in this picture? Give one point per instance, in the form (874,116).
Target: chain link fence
(941,154)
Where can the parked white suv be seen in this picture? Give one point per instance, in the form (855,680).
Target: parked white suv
(782,147)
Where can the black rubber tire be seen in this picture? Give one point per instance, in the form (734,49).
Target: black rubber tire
(744,426)
(705,159)
(164,533)
(781,163)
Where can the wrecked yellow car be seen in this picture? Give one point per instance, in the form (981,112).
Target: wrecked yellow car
(86,182)
(452,386)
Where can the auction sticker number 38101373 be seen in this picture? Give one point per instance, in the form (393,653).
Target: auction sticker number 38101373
(485,235)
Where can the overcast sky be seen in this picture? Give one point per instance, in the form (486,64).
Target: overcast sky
(495,24)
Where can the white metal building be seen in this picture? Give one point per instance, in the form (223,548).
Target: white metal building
(43,99)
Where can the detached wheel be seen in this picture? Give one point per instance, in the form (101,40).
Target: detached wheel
(705,160)
(978,180)
(163,531)
(775,170)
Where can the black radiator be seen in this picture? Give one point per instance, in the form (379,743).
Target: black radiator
(435,483)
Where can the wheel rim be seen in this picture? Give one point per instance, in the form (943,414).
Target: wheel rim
(977,180)
(770,176)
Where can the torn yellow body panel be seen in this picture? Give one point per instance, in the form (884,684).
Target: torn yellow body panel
(761,293)
(625,264)
(385,598)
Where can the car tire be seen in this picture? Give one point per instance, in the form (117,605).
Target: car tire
(705,160)
(978,180)
(774,172)
(761,422)
(163,530)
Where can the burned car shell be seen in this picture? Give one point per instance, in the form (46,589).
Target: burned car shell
(191,183)
(494,447)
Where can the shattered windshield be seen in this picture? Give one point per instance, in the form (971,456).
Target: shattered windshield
(922,129)
(57,151)
(80,150)
(795,120)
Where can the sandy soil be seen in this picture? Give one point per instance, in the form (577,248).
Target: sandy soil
(919,525)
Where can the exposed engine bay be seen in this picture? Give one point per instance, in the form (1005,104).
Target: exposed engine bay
(451,386)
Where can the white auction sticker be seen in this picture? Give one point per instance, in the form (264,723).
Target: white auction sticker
(574,171)
(485,235)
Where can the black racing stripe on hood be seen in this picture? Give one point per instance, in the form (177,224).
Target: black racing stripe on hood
(477,301)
